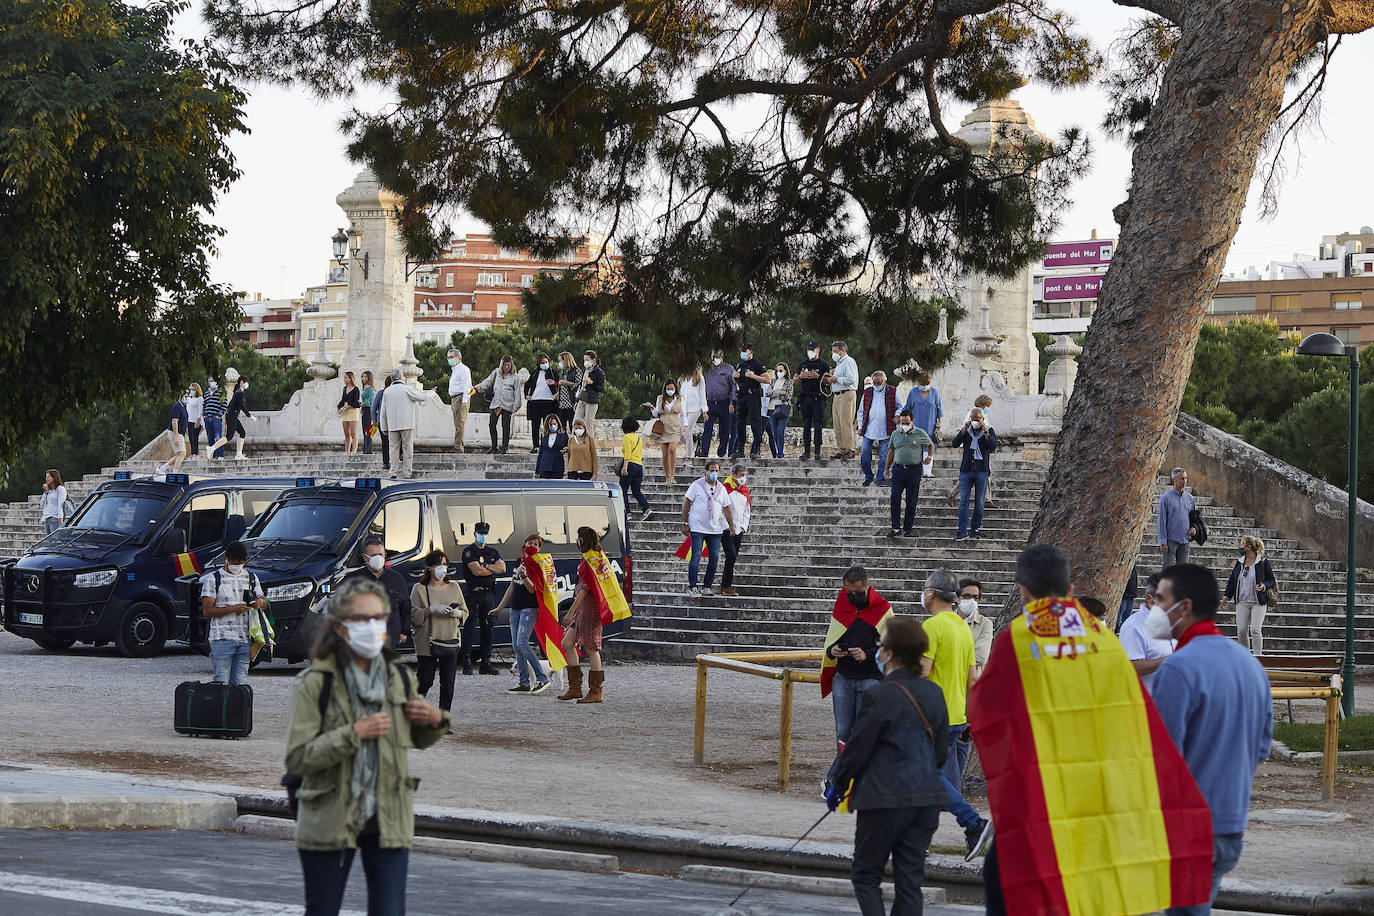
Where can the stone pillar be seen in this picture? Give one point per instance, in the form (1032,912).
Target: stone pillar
(381,301)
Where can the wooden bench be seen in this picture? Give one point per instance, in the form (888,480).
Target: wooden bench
(1311,677)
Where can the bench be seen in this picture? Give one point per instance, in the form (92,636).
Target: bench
(1311,677)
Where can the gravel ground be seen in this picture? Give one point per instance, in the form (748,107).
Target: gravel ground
(628,760)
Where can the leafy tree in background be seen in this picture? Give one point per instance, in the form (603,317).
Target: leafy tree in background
(1314,435)
(113,149)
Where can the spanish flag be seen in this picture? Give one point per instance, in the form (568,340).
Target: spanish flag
(547,631)
(1095,810)
(596,574)
(876,614)
(186,564)
(686,548)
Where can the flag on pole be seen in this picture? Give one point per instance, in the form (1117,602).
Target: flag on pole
(1095,809)
(548,633)
(596,573)
(186,564)
(877,614)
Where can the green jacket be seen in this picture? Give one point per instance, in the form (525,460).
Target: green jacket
(323,758)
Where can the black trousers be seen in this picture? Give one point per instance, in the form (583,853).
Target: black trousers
(732,544)
(813,422)
(996,901)
(748,414)
(194,432)
(904,834)
(906,481)
(537,411)
(386,452)
(579,475)
(504,417)
(444,662)
(565,416)
(478,625)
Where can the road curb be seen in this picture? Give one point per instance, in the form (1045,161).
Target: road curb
(277,829)
(801,884)
(110,812)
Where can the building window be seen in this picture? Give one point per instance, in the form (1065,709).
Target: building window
(491,278)
(460,249)
(448,279)
(340,296)
(1289,303)
(310,333)
(501,308)
(343,328)
(1229,305)
(1347,302)
(527,280)
(467,308)
(329,332)
(1347,335)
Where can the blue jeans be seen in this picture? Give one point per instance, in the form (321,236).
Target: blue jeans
(866,457)
(1225,855)
(633,482)
(326,877)
(976,481)
(526,659)
(777,428)
(846,693)
(712,542)
(230,660)
(952,775)
(717,414)
(213,427)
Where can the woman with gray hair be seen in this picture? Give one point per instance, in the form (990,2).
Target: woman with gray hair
(504,391)
(354,712)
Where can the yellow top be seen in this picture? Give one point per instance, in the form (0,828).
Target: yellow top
(951,655)
(632,448)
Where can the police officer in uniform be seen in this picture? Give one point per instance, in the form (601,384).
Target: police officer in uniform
(812,402)
(481,566)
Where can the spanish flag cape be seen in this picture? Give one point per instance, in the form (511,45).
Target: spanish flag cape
(1095,810)
(597,575)
(877,614)
(547,631)
(732,487)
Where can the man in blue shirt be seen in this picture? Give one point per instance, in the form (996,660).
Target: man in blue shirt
(721,393)
(176,435)
(1175,529)
(844,384)
(1214,698)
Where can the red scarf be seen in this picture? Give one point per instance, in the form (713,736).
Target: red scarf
(1201,628)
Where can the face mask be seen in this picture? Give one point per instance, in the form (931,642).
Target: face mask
(923,387)
(234,570)
(1240,551)
(877,386)
(812,354)
(884,662)
(481,540)
(712,476)
(743,354)
(376,562)
(779,373)
(586,364)
(245,387)
(366,637)
(544,365)
(967,606)
(1157,623)
(579,433)
(441,571)
(835,355)
(975,424)
(453,362)
(213,386)
(671,392)
(716,360)
(740,480)
(858,599)
(531,550)
(923,601)
(906,427)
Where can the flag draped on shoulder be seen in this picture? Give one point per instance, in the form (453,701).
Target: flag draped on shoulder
(731,486)
(598,576)
(1095,809)
(547,631)
(877,614)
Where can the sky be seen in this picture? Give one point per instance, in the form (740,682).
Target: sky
(280,215)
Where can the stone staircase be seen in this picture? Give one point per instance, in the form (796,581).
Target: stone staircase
(810,522)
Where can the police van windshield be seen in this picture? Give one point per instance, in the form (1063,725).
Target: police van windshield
(122,512)
(305,520)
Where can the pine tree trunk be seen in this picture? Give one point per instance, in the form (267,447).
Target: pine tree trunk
(1190,173)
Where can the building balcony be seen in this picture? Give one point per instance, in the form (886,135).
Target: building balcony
(276,344)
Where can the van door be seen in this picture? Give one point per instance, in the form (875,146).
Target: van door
(203,519)
(400,524)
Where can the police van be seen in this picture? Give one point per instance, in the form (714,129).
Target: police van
(310,537)
(109,574)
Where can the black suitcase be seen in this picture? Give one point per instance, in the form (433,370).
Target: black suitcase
(213,710)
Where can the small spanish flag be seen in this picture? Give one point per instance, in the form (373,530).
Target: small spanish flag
(186,564)
(547,631)
(596,574)
(1095,808)
(686,548)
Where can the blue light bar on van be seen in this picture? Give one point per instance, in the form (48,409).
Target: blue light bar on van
(305,481)
(368,483)
(123,475)
(179,479)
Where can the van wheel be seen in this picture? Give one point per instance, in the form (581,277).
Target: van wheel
(143,631)
(54,643)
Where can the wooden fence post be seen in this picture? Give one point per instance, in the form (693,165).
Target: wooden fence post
(785,732)
(699,733)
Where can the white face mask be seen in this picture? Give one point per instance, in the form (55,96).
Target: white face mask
(716,360)
(586,363)
(441,571)
(579,433)
(234,570)
(967,606)
(975,424)
(366,637)
(906,427)
(923,601)
(1157,622)
(376,562)
(812,354)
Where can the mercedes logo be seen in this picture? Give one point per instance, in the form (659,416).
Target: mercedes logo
(34,584)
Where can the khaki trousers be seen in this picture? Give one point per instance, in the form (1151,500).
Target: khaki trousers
(460,420)
(842,417)
(587,414)
(402,442)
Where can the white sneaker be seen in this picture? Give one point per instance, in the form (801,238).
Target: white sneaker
(160,469)
(694,592)
(239,458)
(706,593)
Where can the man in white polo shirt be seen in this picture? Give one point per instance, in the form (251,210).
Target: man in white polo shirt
(459,391)
(705,515)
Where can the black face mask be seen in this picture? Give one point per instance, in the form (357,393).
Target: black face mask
(858,599)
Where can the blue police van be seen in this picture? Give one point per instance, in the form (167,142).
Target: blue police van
(109,574)
(310,537)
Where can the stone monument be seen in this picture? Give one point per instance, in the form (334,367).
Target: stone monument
(381,301)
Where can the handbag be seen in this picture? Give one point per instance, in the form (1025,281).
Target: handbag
(1270,596)
(1195,521)
(657,428)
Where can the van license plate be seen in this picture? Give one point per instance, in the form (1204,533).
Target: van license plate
(31,618)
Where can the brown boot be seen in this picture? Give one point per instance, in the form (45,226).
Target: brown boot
(574,683)
(594,682)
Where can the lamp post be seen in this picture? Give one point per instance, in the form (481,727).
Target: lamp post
(340,241)
(355,236)
(1324,344)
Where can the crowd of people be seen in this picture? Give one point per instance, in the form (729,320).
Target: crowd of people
(215,412)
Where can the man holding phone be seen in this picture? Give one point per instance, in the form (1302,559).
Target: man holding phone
(859,617)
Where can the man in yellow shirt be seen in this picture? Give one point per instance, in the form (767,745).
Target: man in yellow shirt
(951,666)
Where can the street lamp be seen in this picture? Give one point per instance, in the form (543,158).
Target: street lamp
(355,236)
(340,240)
(1324,344)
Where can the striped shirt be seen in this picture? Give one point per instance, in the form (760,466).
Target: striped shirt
(214,405)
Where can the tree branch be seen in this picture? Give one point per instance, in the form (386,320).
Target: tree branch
(1171,10)
(933,103)
(1347,17)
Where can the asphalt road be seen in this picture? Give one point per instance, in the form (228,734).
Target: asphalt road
(184,873)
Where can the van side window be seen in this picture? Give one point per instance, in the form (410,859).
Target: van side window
(550,523)
(458,518)
(597,518)
(255,502)
(398,525)
(203,520)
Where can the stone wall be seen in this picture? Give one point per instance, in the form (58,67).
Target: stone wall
(1277,494)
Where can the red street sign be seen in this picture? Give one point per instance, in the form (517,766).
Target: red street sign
(1096,253)
(1063,289)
